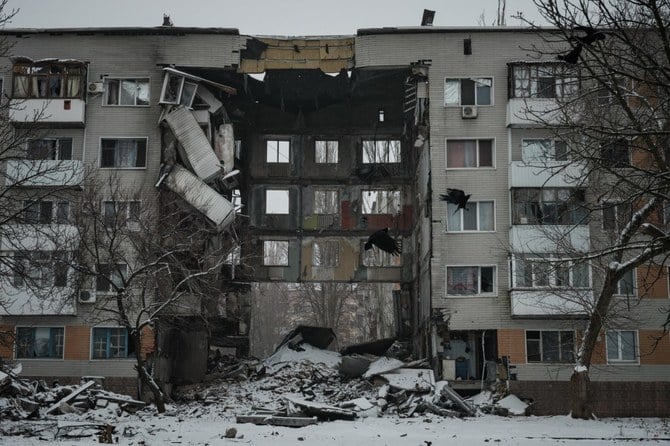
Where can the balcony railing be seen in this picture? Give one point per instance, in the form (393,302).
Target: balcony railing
(548,238)
(549,174)
(532,112)
(44,173)
(60,112)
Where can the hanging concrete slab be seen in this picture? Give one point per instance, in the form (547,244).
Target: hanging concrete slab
(199,195)
(194,148)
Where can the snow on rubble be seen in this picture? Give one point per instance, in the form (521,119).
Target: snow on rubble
(299,393)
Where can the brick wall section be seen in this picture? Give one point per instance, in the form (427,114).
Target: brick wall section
(148,342)
(77,342)
(654,347)
(610,399)
(652,282)
(512,343)
(7,348)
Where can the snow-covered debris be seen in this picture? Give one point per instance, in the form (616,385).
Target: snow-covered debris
(303,353)
(513,404)
(383,365)
(417,380)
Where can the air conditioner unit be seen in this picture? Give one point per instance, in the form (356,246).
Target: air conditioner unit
(87,296)
(469,111)
(95,87)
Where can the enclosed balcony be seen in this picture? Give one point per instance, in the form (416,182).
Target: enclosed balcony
(550,303)
(63,113)
(44,173)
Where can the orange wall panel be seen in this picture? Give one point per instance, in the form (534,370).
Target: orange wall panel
(77,342)
(654,347)
(652,282)
(7,345)
(512,343)
(148,344)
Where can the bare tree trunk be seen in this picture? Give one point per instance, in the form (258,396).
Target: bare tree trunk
(146,379)
(580,394)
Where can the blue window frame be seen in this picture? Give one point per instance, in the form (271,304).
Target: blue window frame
(39,342)
(108,343)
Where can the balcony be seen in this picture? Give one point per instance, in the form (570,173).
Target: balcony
(29,302)
(548,238)
(546,174)
(44,173)
(550,303)
(64,113)
(39,237)
(532,112)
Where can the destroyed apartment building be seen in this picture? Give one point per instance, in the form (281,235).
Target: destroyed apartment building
(295,150)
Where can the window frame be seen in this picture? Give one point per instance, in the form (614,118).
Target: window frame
(137,155)
(479,293)
(131,218)
(56,155)
(57,346)
(535,87)
(327,149)
(65,79)
(383,148)
(551,281)
(534,210)
(618,360)
(120,79)
(108,345)
(331,254)
(266,255)
(271,210)
(474,79)
(540,347)
(617,208)
(477,153)
(385,199)
(633,285)
(462,213)
(526,159)
(277,151)
(43,262)
(326,192)
(110,275)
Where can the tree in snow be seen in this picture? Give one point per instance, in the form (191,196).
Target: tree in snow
(144,264)
(610,81)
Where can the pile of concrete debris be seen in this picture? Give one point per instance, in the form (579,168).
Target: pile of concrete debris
(23,399)
(302,382)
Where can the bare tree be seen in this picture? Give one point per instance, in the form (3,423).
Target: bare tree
(612,118)
(144,261)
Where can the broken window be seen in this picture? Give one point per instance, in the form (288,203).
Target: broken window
(621,346)
(549,206)
(381,202)
(550,272)
(50,149)
(381,151)
(469,153)
(470,280)
(41,269)
(126,91)
(121,213)
(468,91)
(616,215)
(326,202)
(278,151)
(377,258)
(325,253)
(276,201)
(48,79)
(477,216)
(540,150)
(543,81)
(39,342)
(275,253)
(110,343)
(123,152)
(111,277)
(177,90)
(550,345)
(626,285)
(326,151)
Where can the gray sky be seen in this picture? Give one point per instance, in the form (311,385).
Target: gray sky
(261,17)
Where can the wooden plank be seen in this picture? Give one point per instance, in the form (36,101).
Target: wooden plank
(70,396)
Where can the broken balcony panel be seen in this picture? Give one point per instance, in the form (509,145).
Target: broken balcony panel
(224,146)
(202,197)
(194,148)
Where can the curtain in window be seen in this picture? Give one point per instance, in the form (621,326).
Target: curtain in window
(126,153)
(462,280)
(461,153)
(453,217)
(521,82)
(486,216)
(21,86)
(451,90)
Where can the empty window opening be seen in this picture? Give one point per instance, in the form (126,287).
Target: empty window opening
(277,201)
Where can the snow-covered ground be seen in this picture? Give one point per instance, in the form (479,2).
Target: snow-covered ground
(198,424)
(209,416)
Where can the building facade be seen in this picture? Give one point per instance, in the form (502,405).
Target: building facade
(327,139)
